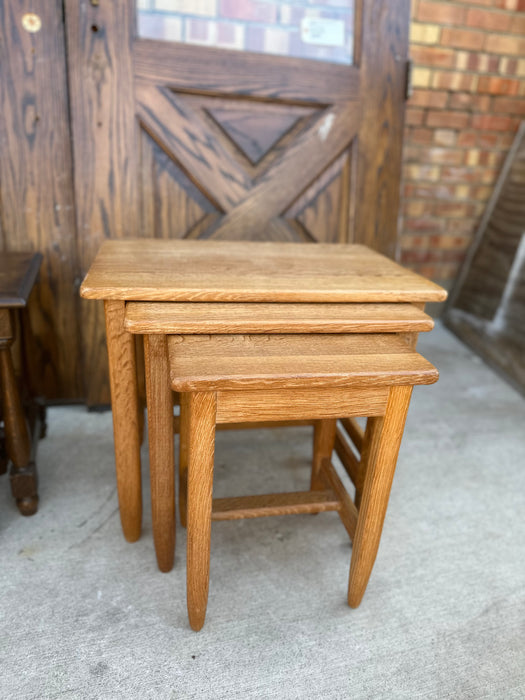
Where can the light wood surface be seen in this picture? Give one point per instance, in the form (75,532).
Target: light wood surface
(196,317)
(201,448)
(274,404)
(125,408)
(385,441)
(156,270)
(354,430)
(324,435)
(274,504)
(348,459)
(161,459)
(224,362)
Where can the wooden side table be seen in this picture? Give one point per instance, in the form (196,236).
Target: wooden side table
(21,419)
(153,270)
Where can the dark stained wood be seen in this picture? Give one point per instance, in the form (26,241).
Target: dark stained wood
(487,307)
(18,273)
(99,39)
(213,71)
(37,200)
(383,55)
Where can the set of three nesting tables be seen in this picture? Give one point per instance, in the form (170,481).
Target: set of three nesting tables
(250,331)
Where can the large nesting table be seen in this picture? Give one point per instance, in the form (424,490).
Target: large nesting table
(321,288)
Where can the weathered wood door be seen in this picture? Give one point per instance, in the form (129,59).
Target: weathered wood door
(173,139)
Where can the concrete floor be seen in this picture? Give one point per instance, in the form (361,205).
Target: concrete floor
(83,614)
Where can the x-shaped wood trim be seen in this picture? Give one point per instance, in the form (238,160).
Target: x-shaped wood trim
(247,208)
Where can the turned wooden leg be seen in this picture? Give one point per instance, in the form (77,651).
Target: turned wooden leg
(384,437)
(23,475)
(183,457)
(201,448)
(161,458)
(125,407)
(324,438)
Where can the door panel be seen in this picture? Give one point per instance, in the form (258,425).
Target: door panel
(175,140)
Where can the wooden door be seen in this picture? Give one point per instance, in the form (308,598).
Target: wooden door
(178,140)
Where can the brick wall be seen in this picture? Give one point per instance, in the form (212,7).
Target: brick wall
(469,96)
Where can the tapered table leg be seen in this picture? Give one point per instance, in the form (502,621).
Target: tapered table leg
(201,448)
(384,435)
(125,407)
(161,458)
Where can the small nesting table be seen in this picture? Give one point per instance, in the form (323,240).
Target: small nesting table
(222,272)
(21,419)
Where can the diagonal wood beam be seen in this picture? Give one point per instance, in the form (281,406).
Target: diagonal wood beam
(313,151)
(181,133)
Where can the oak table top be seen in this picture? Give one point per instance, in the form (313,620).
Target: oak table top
(227,271)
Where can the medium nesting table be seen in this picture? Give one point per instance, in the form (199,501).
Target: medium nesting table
(319,279)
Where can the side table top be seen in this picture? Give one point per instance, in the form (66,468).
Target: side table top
(18,272)
(192,270)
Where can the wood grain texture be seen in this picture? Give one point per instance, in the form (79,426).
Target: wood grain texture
(37,208)
(155,270)
(355,432)
(125,407)
(99,39)
(274,404)
(324,437)
(201,447)
(223,362)
(348,459)
(161,458)
(382,79)
(235,73)
(347,511)
(381,458)
(296,503)
(195,317)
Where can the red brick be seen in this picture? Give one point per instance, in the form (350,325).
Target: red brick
(447,242)
(453,80)
(428,98)
(455,209)
(440,156)
(498,86)
(415,208)
(414,117)
(465,175)
(424,225)
(477,61)
(506,140)
(421,172)
(410,241)
(440,13)
(450,120)
(486,19)
(467,138)
(508,66)
(445,137)
(507,45)
(420,136)
(432,56)
(464,100)
(248,10)
(492,122)
(508,105)
(463,39)
(462,226)
(481,193)
(430,191)
(518,25)
(487,3)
